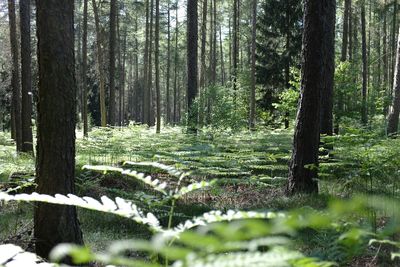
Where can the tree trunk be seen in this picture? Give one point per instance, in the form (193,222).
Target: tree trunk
(168,102)
(203,45)
(192,37)
(176,64)
(221,51)
(157,66)
(149,90)
(345,36)
(304,162)
(15,81)
(146,92)
(351,30)
(26,76)
(113,33)
(364,111)
(329,69)
(84,69)
(393,54)
(55,165)
(253,67)
(393,119)
(235,49)
(100,73)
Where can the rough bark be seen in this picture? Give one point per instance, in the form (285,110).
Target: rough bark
(26,76)
(15,79)
(112,43)
(55,165)
(99,66)
(329,68)
(304,161)
(393,119)
(192,54)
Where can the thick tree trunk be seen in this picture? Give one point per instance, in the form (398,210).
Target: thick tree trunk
(113,33)
(393,119)
(157,66)
(192,54)
(304,162)
(26,76)
(99,67)
(364,111)
(253,67)
(15,81)
(329,69)
(55,165)
(84,69)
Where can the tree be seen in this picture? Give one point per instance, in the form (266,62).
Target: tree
(192,54)
(304,161)
(253,67)
(55,165)
(84,69)
(113,33)
(26,76)
(364,109)
(393,119)
(15,82)
(157,66)
(345,37)
(99,63)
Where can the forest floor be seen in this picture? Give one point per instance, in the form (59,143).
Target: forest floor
(249,169)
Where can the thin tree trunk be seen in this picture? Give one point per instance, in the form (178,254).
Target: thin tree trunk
(146,88)
(221,51)
(84,69)
(393,54)
(192,54)
(149,90)
(168,102)
(345,36)
(55,164)
(235,46)
(351,30)
(26,76)
(393,119)
(157,66)
(100,73)
(364,112)
(15,81)
(176,64)
(203,45)
(253,67)
(113,28)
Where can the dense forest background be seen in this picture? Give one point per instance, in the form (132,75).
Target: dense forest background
(219,133)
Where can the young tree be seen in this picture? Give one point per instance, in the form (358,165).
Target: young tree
(113,33)
(55,165)
(15,82)
(84,69)
(26,76)
(192,37)
(303,171)
(393,119)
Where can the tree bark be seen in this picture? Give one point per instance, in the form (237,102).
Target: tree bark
(304,162)
(192,54)
(55,165)
(157,66)
(99,67)
(393,119)
(345,36)
(168,78)
(364,111)
(176,64)
(84,69)
(253,67)
(113,26)
(15,80)
(26,76)
(329,68)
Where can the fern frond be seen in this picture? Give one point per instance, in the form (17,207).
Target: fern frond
(12,255)
(118,207)
(169,169)
(192,187)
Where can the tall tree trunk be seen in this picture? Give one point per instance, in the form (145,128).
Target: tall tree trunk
(307,131)
(176,64)
(123,79)
(113,33)
(345,36)
(393,119)
(351,32)
(55,164)
(15,81)
(203,45)
(364,111)
(149,90)
(99,67)
(84,69)
(168,78)
(328,41)
(157,66)
(235,49)
(146,92)
(192,54)
(221,52)
(26,76)
(393,54)
(253,67)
